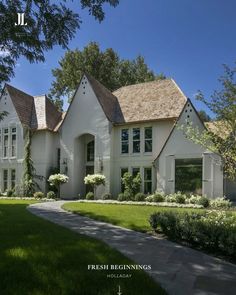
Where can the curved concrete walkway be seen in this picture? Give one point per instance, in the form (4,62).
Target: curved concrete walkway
(180,270)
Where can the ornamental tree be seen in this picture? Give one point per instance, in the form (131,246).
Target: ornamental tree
(220,135)
(56,180)
(95,180)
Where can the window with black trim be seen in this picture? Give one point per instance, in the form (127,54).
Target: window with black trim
(13,142)
(135,171)
(90,151)
(147,180)
(125,141)
(148,139)
(5,143)
(136,140)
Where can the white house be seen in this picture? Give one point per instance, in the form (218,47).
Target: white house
(132,129)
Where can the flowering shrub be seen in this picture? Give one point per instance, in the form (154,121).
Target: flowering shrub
(211,230)
(220,203)
(57,179)
(39,195)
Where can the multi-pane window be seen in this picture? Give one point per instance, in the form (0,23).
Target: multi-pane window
(5,180)
(122,172)
(125,141)
(135,171)
(136,140)
(147,180)
(5,143)
(90,151)
(13,178)
(13,142)
(148,139)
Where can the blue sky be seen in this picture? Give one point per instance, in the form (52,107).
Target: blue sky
(185,39)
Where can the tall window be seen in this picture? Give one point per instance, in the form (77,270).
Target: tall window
(13,142)
(5,143)
(13,178)
(135,171)
(122,172)
(188,175)
(148,139)
(136,140)
(147,180)
(58,158)
(125,141)
(90,151)
(5,180)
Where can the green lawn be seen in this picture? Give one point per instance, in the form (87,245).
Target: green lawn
(41,258)
(130,216)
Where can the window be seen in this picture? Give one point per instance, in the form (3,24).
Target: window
(5,179)
(148,139)
(13,142)
(13,178)
(125,141)
(188,175)
(147,180)
(5,143)
(90,151)
(135,171)
(136,140)
(122,172)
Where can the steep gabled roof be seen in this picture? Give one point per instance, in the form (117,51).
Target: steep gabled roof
(34,112)
(23,104)
(107,100)
(159,99)
(175,125)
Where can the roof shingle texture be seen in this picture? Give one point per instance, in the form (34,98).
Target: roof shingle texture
(34,112)
(160,99)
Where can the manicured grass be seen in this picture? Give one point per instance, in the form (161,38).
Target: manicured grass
(40,258)
(130,216)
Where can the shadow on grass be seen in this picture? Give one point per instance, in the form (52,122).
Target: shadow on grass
(38,257)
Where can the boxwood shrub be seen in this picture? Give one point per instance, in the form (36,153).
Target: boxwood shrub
(89,196)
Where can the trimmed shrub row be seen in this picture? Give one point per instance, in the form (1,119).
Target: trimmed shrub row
(213,230)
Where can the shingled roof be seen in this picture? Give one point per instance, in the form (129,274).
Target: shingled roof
(108,101)
(159,99)
(35,112)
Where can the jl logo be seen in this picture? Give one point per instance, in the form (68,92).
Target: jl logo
(21,20)
(119,291)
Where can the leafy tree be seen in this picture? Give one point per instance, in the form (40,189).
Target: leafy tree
(221,134)
(204,116)
(132,184)
(105,66)
(49,23)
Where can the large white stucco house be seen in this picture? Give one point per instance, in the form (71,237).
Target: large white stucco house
(132,129)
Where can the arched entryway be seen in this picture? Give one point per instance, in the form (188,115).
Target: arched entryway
(84,157)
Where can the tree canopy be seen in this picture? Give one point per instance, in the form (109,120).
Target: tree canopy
(106,66)
(49,23)
(204,116)
(220,137)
